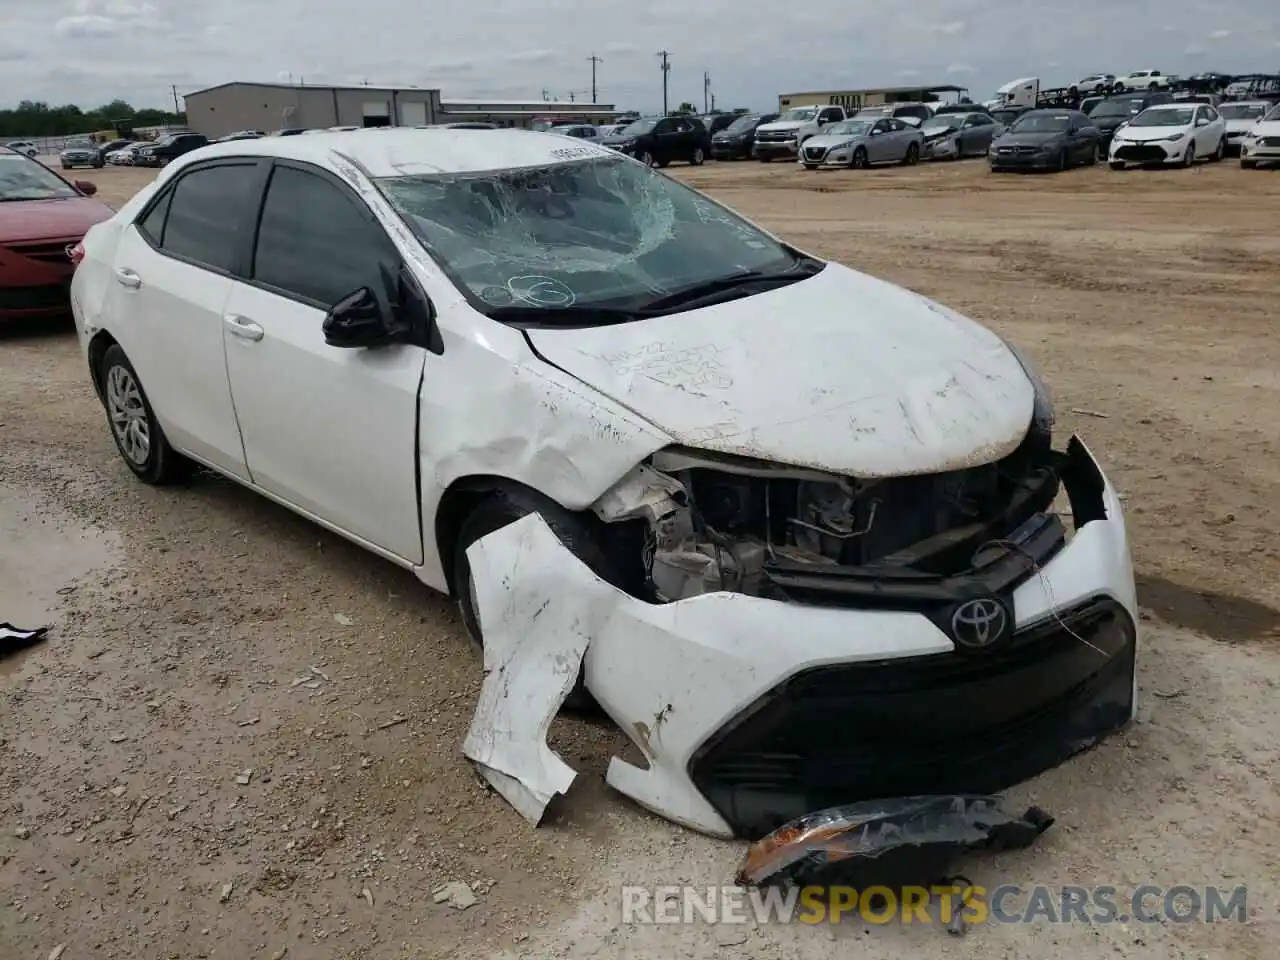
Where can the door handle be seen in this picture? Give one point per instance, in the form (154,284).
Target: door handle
(128,278)
(243,327)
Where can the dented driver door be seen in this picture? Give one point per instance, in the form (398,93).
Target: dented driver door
(329,430)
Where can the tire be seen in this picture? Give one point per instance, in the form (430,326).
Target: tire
(1093,156)
(1220,153)
(1246,164)
(859,161)
(1062,162)
(496,512)
(1118,88)
(647,159)
(65,167)
(1117,165)
(698,157)
(134,427)
(765,158)
(913,155)
(810,166)
(1189,158)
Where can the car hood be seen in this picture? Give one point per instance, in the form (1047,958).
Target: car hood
(942,134)
(50,219)
(1271,128)
(781,126)
(829,140)
(1037,139)
(1147,134)
(838,372)
(1243,125)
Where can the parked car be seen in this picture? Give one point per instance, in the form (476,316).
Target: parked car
(42,217)
(658,141)
(1005,116)
(954,136)
(783,137)
(24,147)
(861,142)
(1142,80)
(263,303)
(168,148)
(125,155)
(713,123)
(79,153)
(240,135)
(1170,133)
(579,131)
(1262,145)
(913,113)
(1046,140)
(1241,117)
(612,129)
(1094,83)
(1113,112)
(1088,104)
(735,141)
(948,109)
(107,149)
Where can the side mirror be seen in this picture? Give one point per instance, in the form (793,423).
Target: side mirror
(358,320)
(86,187)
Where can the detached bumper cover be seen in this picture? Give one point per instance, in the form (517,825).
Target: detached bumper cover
(751,712)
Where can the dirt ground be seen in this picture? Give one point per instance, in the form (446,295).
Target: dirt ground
(203,637)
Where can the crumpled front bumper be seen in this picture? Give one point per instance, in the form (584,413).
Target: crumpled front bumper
(751,712)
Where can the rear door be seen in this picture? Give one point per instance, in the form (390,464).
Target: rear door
(329,430)
(171,282)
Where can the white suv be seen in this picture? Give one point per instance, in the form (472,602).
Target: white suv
(1142,80)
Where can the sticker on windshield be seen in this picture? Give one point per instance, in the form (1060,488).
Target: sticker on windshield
(541,291)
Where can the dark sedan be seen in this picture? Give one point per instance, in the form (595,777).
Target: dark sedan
(1108,115)
(657,141)
(1046,140)
(734,141)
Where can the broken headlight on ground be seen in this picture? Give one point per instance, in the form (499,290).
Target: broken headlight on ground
(720,523)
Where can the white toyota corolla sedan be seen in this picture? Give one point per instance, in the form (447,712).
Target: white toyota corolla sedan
(826,508)
(1170,133)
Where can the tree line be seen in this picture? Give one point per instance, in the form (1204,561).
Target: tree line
(36,119)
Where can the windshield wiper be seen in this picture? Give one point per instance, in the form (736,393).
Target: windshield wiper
(725,288)
(578,315)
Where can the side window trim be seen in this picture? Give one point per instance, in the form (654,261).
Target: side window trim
(165,195)
(246,276)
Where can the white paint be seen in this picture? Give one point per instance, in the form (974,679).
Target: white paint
(413,113)
(532,655)
(1204,130)
(884,384)
(707,658)
(375,108)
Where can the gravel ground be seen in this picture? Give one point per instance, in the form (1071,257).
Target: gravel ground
(242,737)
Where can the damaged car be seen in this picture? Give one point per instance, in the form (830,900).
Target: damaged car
(800,564)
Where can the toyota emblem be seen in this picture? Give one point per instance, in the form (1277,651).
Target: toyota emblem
(979,623)
(70,250)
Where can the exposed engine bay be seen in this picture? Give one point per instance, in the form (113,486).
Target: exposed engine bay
(718,523)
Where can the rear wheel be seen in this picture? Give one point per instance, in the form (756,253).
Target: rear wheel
(500,510)
(134,426)
(698,157)
(913,155)
(1219,153)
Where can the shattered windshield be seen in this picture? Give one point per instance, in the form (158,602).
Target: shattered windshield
(24,179)
(601,233)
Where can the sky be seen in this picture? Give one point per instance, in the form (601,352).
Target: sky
(90,52)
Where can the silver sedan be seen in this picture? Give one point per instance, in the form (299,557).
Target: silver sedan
(860,143)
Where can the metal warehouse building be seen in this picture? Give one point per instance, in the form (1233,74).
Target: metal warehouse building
(868,98)
(230,107)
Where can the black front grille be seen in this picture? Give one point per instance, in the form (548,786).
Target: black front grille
(52,251)
(1141,153)
(922,725)
(814,153)
(1269,142)
(48,296)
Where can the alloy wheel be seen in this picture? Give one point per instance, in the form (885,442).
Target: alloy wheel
(128,415)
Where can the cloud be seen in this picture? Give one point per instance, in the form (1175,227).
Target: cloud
(950,29)
(532,56)
(908,74)
(621,48)
(956,69)
(86,26)
(1219,34)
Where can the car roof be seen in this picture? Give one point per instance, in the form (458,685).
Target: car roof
(399,151)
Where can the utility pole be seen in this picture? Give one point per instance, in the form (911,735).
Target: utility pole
(546,97)
(706,92)
(173,88)
(666,70)
(594,61)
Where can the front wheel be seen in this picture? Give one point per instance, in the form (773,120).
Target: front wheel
(859,160)
(1219,153)
(1062,161)
(913,155)
(1190,157)
(1246,164)
(134,426)
(500,510)
(647,159)
(1117,165)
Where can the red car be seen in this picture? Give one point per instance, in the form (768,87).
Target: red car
(42,219)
